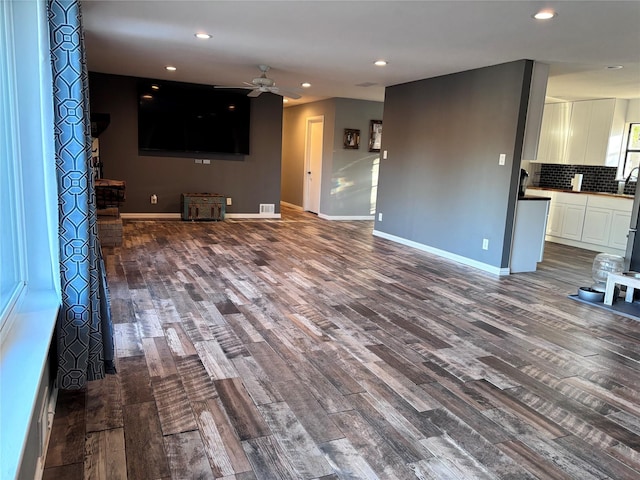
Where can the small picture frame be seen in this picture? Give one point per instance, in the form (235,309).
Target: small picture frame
(375,135)
(351,138)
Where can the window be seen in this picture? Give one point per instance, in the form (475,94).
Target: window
(12,271)
(632,153)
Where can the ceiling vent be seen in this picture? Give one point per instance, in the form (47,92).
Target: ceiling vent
(366,84)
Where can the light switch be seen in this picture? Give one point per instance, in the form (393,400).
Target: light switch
(503,158)
(384,155)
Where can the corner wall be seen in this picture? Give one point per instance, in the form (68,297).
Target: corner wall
(441,185)
(249,180)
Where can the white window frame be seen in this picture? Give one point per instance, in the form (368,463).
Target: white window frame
(27,331)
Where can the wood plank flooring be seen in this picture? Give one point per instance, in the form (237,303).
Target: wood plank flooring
(306,349)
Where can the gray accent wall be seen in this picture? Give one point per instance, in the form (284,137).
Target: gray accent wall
(441,185)
(346,173)
(249,180)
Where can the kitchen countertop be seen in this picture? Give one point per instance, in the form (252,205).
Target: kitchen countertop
(532,197)
(604,194)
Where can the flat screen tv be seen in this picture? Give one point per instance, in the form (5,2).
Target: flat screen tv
(175,117)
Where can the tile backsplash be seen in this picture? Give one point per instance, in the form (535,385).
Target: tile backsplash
(595,178)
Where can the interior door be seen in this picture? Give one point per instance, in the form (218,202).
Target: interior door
(313,163)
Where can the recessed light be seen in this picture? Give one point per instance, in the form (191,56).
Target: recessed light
(285,100)
(170,68)
(155,87)
(380,63)
(147,96)
(305,85)
(203,36)
(545,15)
(614,67)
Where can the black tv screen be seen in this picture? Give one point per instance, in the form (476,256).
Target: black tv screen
(176,117)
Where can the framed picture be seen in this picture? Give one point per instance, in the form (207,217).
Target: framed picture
(351,138)
(375,135)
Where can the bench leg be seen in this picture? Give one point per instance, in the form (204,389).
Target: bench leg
(629,295)
(608,293)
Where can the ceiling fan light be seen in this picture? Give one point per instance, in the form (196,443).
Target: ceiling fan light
(545,15)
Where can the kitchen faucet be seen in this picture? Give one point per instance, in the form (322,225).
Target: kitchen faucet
(631,173)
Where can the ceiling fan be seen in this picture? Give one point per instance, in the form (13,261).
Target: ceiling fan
(264,84)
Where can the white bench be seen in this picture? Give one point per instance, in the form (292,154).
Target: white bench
(630,281)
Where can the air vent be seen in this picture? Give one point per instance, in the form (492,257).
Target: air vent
(366,84)
(267,208)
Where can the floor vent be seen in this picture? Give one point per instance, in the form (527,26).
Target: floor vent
(267,208)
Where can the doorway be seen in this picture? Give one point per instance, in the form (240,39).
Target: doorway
(313,164)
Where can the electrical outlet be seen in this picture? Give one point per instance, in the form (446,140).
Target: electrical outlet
(379,217)
(229,202)
(206,162)
(197,160)
(485,244)
(154,199)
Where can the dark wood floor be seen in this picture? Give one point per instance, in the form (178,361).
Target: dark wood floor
(306,349)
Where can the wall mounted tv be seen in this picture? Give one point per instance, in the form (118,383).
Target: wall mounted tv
(175,118)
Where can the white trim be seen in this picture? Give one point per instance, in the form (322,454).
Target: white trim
(252,215)
(306,193)
(25,349)
(151,216)
(585,246)
(291,205)
(177,216)
(345,217)
(443,253)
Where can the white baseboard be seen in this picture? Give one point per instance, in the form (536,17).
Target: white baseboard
(443,253)
(150,216)
(345,217)
(177,216)
(252,215)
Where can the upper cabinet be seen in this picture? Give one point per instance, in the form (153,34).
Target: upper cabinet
(583,133)
(553,132)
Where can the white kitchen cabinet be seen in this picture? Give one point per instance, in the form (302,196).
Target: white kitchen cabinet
(597,225)
(588,132)
(590,221)
(573,222)
(578,133)
(620,222)
(569,209)
(553,132)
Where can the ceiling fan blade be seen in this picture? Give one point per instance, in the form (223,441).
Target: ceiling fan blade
(254,93)
(289,94)
(240,86)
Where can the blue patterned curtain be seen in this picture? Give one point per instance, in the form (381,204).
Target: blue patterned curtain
(84,330)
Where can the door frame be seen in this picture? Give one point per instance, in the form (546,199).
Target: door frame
(307,162)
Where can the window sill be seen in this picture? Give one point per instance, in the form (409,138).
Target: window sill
(23,355)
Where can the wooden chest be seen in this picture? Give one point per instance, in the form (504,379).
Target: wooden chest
(202,206)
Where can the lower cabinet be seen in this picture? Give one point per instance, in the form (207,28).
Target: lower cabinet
(597,225)
(593,222)
(620,222)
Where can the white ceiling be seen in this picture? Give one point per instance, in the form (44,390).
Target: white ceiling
(333,44)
